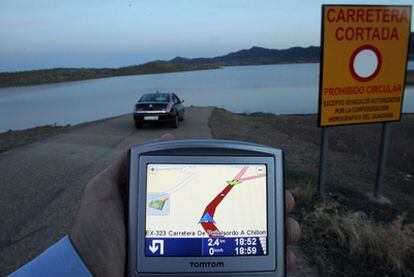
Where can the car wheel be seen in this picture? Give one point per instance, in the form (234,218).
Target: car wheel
(138,125)
(175,121)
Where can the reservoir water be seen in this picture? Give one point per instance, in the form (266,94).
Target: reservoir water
(279,89)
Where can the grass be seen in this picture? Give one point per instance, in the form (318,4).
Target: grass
(342,241)
(302,187)
(391,246)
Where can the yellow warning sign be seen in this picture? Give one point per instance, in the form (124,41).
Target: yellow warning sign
(363,63)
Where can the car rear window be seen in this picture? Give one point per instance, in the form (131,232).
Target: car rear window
(155,97)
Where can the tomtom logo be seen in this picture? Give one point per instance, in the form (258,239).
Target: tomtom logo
(207,264)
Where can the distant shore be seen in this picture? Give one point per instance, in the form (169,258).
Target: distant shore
(59,75)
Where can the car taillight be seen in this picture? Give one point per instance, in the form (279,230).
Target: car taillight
(168,109)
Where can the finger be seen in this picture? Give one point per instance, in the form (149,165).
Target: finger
(293,231)
(289,202)
(290,260)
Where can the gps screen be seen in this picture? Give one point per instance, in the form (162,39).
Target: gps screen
(206,210)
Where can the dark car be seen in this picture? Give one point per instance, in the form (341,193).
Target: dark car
(159,107)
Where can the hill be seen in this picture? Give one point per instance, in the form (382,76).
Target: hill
(259,55)
(253,56)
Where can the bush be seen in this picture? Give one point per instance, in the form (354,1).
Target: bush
(391,246)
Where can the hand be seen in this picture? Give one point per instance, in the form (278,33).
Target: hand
(99,232)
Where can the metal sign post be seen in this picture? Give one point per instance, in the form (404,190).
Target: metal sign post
(379,184)
(323,160)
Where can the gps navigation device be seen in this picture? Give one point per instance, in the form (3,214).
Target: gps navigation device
(206,207)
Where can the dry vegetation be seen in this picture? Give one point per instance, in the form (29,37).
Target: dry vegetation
(390,246)
(345,234)
(366,238)
(335,234)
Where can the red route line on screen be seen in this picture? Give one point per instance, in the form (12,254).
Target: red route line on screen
(209,226)
(252,177)
(241,173)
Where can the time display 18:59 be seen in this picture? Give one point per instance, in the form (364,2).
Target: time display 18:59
(246,246)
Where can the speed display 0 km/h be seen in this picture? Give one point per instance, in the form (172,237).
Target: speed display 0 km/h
(206,207)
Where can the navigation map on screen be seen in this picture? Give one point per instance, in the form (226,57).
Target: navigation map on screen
(206,210)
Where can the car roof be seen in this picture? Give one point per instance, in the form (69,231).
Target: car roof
(154,93)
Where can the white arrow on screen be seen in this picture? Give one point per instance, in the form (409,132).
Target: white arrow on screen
(154,246)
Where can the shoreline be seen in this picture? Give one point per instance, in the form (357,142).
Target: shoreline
(7,79)
(16,138)
(66,75)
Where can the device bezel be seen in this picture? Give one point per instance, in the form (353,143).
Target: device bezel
(272,262)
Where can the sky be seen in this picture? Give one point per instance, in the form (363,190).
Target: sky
(37,34)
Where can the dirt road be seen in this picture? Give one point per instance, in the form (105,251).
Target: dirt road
(42,183)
